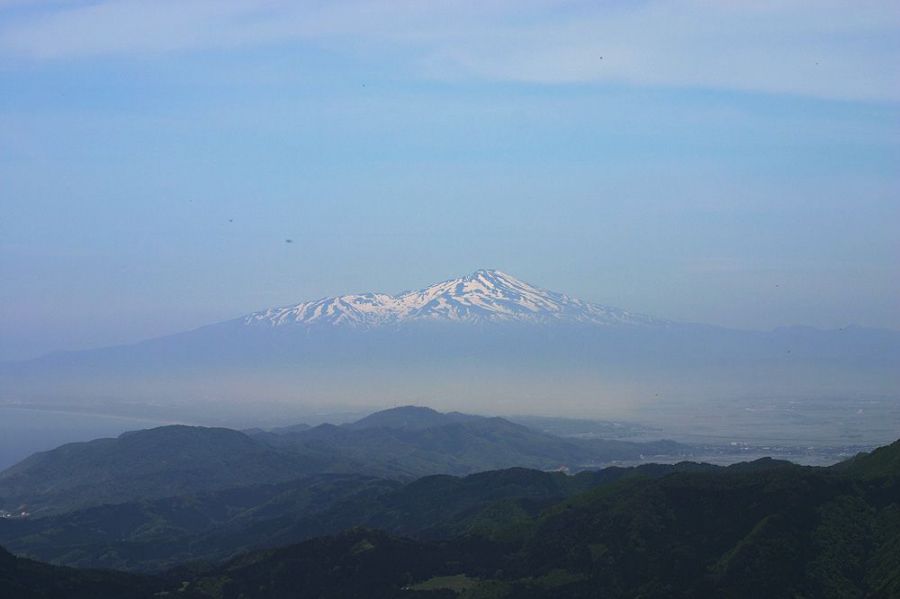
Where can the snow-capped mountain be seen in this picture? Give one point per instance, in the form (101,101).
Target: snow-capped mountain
(370,349)
(483,296)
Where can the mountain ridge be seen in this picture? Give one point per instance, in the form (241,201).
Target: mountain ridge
(762,528)
(402,443)
(486,295)
(460,344)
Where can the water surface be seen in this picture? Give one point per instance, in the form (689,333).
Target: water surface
(24,431)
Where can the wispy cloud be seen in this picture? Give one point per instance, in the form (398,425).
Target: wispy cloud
(823,48)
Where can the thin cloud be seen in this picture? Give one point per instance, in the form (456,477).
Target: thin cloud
(817,48)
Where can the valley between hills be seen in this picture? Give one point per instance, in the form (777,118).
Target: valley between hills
(411,502)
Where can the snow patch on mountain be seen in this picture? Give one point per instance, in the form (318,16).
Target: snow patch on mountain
(483,296)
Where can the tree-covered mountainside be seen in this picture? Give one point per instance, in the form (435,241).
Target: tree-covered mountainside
(404,443)
(161,462)
(413,442)
(155,534)
(764,528)
(27,579)
(761,529)
(883,462)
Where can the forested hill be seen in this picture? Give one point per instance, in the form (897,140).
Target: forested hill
(764,528)
(401,443)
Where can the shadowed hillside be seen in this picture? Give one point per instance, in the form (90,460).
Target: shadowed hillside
(171,460)
(403,443)
(763,528)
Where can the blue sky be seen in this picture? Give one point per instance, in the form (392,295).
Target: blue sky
(723,162)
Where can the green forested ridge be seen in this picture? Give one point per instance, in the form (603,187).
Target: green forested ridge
(766,528)
(154,534)
(762,529)
(166,461)
(26,579)
(883,462)
(413,441)
(403,443)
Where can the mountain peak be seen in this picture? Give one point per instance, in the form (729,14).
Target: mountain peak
(406,418)
(486,295)
(488,273)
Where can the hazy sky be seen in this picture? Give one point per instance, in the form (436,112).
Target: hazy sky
(728,162)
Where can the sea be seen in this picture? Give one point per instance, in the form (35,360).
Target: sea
(24,431)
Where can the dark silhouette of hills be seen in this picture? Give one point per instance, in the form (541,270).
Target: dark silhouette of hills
(883,462)
(409,418)
(160,462)
(26,579)
(402,443)
(413,441)
(155,534)
(765,528)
